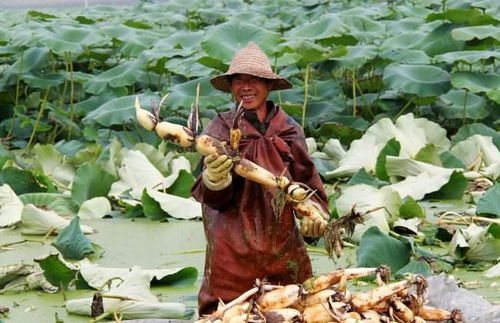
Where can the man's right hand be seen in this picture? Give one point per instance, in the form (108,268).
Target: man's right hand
(217,173)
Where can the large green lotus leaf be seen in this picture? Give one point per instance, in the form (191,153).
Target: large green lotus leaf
(356,56)
(377,248)
(90,181)
(53,164)
(31,60)
(403,41)
(363,28)
(124,74)
(472,16)
(63,38)
(132,49)
(136,302)
(406,56)
(96,276)
(475,82)
(476,129)
(60,46)
(489,203)
(188,39)
(11,207)
(44,81)
(175,206)
(469,57)
(328,26)
(366,198)
(60,273)
(422,80)
(416,267)
(136,172)
(119,110)
(183,184)
(151,208)
(193,66)
(458,104)
(62,204)
(494,95)
(21,181)
(72,243)
(476,32)
(223,40)
(404,25)
(213,63)
(477,152)
(308,51)
(345,128)
(440,41)
(38,221)
(184,94)
(95,208)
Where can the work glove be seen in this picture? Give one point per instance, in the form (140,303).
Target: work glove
(313,227)
(217,173)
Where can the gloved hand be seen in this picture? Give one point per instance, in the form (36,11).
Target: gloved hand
(313,226)
(217,173)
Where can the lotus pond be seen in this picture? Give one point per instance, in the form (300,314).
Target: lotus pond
(399,101)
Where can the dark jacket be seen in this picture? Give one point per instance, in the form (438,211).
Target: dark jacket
(245,239)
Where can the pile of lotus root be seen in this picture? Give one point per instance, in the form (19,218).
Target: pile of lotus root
(325,298)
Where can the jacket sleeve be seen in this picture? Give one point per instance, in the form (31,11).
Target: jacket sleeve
(303,170)
(216,200)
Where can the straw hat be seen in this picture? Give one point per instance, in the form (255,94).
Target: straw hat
(253,61)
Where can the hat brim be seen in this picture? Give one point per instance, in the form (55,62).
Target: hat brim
(222,83)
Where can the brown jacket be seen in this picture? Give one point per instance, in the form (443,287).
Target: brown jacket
(245,239)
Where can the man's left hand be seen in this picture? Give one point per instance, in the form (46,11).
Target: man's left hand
(314,226)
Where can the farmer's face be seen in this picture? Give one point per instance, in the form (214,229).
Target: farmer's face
(252,90)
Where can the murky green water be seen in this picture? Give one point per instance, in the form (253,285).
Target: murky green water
(148,245)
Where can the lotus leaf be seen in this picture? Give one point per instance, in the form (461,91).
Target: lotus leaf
(476,32)
(223,40)
(11,207)
(137,301)
(475,82)
(489,203)
(41,222)
(421,80)
(60,203)
(377,248)
(72,243)
(366,198)
(90,181)
(95,208)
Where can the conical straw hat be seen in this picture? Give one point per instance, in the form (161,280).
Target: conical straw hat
(253,61)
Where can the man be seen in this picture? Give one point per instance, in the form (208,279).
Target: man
(246,240)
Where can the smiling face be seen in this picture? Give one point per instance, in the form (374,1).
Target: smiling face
(252,90)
